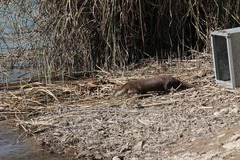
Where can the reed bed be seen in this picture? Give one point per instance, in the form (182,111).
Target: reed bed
(72,38)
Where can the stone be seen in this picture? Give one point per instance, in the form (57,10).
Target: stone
(117,158)
(234,138)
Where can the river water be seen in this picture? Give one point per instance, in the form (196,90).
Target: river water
(12,147)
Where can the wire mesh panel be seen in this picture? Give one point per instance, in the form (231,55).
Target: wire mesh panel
(226,56)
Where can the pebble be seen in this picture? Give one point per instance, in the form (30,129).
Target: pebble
(57,134)
(201,130)
(224,111)
(117,158)
(234,138)
(221,112)
(211,154)
(235,110)
(138,146)
(221,135)
(2,109)
(235,145)
(216,114)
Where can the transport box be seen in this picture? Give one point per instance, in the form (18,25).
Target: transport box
(226,56)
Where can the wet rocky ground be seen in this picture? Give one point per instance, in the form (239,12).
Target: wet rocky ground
(197,123)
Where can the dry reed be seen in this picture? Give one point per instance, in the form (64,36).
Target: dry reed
(76,38)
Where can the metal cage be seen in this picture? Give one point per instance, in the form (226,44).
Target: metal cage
(226,56)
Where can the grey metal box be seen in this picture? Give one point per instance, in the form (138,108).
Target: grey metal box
(226,56)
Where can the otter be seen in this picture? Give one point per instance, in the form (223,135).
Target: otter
(160,83)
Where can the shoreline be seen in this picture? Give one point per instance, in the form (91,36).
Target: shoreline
(82,119)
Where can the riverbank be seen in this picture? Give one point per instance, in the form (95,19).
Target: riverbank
(16,146)
(83,119)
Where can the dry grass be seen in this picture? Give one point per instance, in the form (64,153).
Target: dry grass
(81,118)
(35,98)
(69,38)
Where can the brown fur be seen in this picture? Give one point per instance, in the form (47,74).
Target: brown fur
(161,83)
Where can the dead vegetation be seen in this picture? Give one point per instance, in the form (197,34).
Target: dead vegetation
(82,119)
(68,38)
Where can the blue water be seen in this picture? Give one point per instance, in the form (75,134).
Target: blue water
(13,70)
(14,75)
